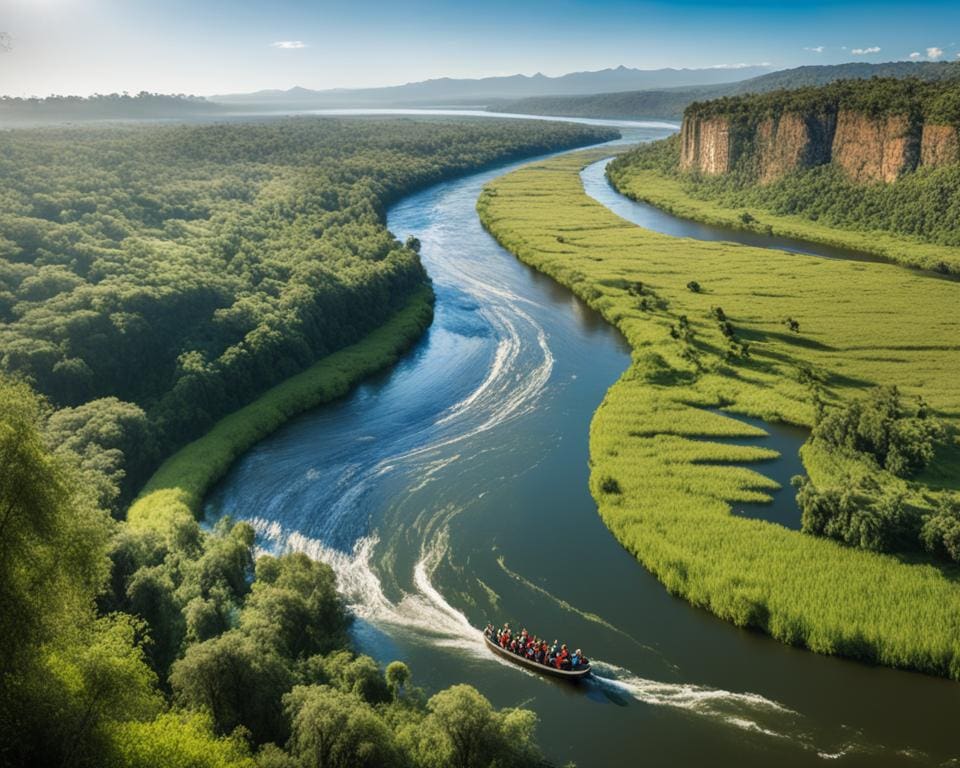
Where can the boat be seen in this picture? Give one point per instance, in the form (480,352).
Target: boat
(535,666)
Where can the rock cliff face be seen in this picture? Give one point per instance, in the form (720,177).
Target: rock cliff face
(705,146)
(868,149)
(871,149)
(939,145)
(791,142)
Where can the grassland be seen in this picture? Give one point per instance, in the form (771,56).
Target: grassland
(671,193)
(665,490)
(175,492)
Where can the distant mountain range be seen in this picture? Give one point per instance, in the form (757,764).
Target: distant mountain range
(611,93)
(670,103)
(481,92)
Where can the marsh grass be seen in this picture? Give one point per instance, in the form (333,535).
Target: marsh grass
(666,492)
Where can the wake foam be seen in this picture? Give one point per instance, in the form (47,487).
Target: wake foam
(423,612)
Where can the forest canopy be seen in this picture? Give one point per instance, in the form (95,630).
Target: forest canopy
(155,278)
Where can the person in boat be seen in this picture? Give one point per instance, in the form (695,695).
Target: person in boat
(563,658)
(489,632)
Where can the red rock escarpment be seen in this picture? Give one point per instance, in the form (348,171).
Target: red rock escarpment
(868,149)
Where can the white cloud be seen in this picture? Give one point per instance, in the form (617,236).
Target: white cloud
(915,55)
(934,53)
(814,48)
(289,45)
(865,51)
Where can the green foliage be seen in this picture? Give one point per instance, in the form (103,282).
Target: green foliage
(397,676)
(176,740)
(464,731)
(924,204)
(183,270)
(237,682)
(294,607)
(857,515)
(105,106)
(679,486)
(941,530)
(864,225)
(333,729)
(67,675)
(879,427)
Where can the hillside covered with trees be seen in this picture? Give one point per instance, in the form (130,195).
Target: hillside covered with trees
(148,646)
(154,279)
(110,106)
(866,156)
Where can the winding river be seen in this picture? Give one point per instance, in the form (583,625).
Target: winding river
(452,490)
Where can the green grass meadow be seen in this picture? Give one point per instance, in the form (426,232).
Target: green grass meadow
(666,496)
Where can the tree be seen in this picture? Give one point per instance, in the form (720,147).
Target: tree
(294,607)
(237,682)
(333,729)
(150,595)
(941,530)
(176,740)
(397,676)
(464,731)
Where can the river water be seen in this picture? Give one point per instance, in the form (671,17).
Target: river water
(452,490)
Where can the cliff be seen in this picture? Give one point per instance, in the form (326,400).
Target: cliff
(874,132)
(705,145)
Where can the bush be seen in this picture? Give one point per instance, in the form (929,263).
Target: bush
(879,427)
(858,515)
(940,534)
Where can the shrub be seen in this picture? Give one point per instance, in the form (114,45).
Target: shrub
(878,427)
(940,534)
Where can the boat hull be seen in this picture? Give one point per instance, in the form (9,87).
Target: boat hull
(533,666)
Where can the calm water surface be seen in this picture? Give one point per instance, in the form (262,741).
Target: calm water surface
(452,490)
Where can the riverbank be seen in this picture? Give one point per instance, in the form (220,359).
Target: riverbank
(176,490)
(669,194)
(665,489)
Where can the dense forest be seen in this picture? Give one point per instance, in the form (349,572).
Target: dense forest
(153,279)
(110,106)
(671,102)
(923,202)
(142,646)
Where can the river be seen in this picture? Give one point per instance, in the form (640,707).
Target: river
(452,490)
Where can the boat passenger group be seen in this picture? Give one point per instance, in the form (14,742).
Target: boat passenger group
(536,649)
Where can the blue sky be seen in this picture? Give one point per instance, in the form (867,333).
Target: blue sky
(218,46)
